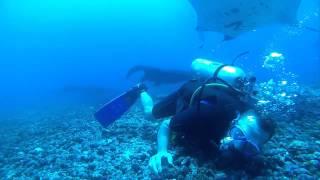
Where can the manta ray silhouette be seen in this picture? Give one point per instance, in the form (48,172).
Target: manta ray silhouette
(159,76)
(234,17)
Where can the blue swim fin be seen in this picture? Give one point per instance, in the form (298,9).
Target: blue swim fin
(115,108)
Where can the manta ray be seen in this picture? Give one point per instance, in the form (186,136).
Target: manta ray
(234,17)
(159,76)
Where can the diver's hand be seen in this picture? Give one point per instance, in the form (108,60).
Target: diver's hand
(156,161)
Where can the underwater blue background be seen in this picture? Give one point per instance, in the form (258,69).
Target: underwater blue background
(61,60)
(49,44)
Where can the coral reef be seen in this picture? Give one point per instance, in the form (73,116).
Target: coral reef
(68,143)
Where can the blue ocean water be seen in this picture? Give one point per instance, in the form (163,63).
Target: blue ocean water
(51,43)
(47,46)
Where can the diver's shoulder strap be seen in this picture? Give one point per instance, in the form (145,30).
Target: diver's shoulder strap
(215,74)
(213,79)
(198,93)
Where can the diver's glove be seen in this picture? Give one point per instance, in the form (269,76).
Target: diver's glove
(156,161)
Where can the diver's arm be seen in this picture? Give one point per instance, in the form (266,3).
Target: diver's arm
(166,107)
(163,141)
(163,136)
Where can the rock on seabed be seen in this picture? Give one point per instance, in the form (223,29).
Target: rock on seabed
(70,144)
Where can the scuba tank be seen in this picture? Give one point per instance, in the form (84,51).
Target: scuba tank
(205,69)
(218,74)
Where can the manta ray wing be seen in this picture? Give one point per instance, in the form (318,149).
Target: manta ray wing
(233,17)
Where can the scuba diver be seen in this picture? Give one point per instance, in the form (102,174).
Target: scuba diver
(215,110)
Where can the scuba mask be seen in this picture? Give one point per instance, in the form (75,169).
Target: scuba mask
(247,135)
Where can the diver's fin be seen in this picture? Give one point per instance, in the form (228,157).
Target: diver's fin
(114,109)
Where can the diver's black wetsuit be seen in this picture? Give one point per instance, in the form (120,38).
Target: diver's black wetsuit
(204,122)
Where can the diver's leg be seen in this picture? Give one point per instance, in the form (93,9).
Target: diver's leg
(166,107)
(147,103)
